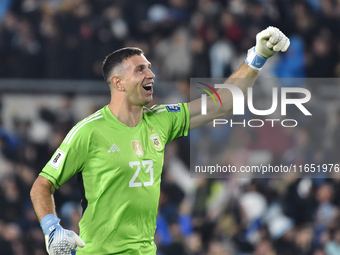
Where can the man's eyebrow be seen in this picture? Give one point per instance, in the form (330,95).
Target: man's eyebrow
(143,65)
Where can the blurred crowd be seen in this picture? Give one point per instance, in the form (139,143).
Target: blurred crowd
(62,39)
(182,38)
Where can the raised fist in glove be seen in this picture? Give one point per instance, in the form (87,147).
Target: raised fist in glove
(268,42)
(59,241)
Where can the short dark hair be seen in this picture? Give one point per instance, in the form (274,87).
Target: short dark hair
(116,58)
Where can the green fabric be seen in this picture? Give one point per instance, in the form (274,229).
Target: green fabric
(121,170)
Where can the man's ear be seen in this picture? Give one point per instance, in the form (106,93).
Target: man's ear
(117,83)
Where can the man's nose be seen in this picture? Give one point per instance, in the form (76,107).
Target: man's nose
(150,74)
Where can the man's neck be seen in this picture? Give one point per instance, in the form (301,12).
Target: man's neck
(127,114)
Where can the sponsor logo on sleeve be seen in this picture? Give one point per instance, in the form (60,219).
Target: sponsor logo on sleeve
(173,108)
(57,159)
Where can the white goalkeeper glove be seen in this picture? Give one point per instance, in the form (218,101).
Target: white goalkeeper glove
(59,241)
(268,42)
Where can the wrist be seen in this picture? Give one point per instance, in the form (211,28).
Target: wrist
(255,61)
(48,223)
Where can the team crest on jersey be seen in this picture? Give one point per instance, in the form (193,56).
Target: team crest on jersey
(156,142)
(137,148)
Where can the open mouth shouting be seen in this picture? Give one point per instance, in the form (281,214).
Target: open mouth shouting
(148,87)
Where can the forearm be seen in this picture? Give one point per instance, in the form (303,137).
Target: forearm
(243,78)
(244,71)
(268,42)
(42,197)
(57,239)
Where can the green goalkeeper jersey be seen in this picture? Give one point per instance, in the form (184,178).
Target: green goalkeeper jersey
(119,170)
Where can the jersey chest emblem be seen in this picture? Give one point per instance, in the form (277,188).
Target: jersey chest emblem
(156,142)
(137,148)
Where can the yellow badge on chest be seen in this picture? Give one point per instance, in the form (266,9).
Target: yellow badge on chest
(137,148)
(156,142)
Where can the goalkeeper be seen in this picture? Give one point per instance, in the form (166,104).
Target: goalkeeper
(117,154)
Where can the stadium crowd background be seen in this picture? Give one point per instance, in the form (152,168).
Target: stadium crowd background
(52,39)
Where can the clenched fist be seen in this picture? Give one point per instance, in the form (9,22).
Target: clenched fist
(268,42)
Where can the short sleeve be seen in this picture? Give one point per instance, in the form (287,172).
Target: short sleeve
(179,118)
(67,160)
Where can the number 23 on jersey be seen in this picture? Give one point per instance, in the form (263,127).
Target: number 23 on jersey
(146,165)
